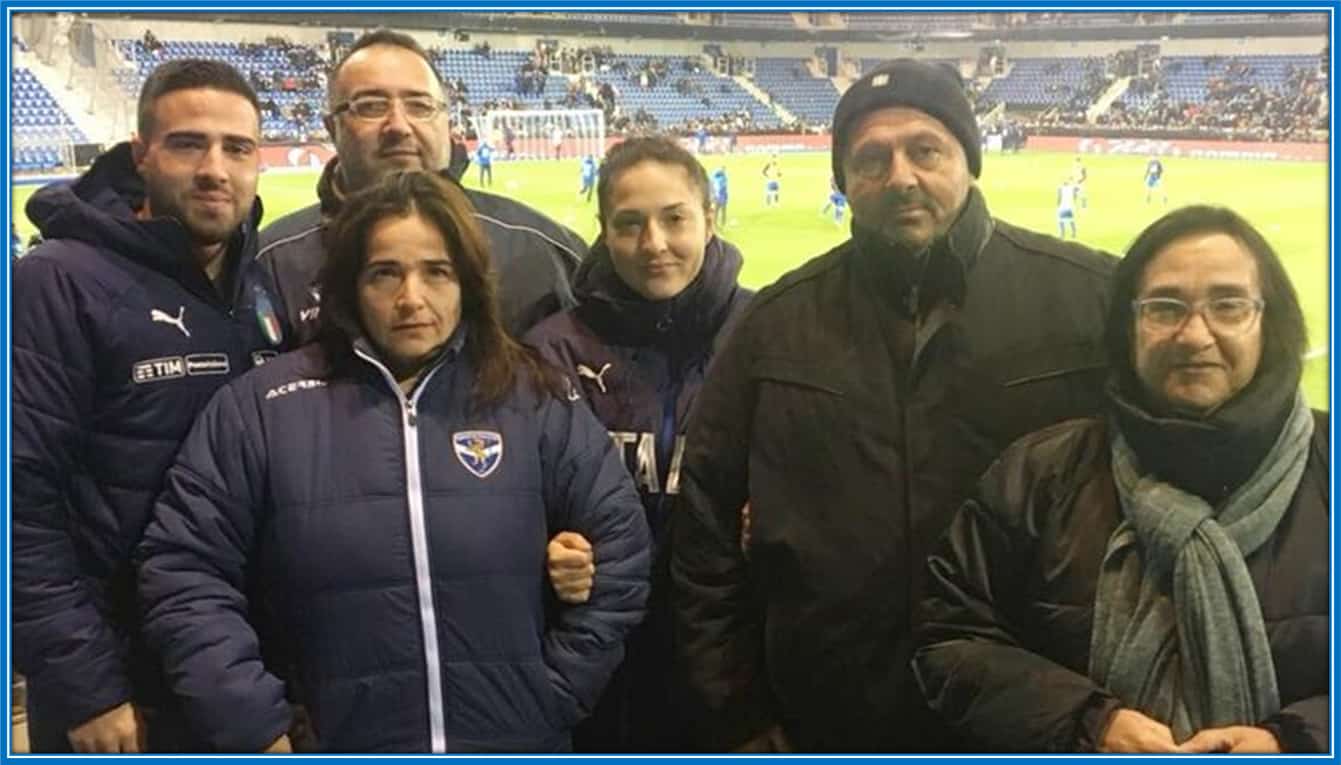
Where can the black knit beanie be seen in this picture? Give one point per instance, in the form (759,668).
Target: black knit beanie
(936,89)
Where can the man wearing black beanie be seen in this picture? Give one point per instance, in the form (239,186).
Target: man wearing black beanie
(855,406)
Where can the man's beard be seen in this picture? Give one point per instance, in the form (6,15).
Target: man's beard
(204,231)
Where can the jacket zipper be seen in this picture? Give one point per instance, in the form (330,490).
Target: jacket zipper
(423,575)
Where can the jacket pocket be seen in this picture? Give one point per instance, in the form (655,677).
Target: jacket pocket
(1035,387)
(794,372)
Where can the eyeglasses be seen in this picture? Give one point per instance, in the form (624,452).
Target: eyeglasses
(1224,315)
(418,108)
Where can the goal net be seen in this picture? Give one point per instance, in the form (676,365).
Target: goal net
(543,134)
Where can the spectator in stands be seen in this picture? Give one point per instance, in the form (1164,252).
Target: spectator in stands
(656,299)
(853,407)
(1155,581)
(386,113)
(151,43)
(139,304)
(392,502)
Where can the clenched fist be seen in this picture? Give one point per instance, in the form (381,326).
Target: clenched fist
(572,567)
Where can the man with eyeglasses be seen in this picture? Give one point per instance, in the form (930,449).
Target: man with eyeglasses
(386,113)
(1155,581)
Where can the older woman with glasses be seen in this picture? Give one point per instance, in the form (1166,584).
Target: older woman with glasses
(384,498)
(1156,581)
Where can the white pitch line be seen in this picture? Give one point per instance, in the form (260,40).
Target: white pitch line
(1316,353)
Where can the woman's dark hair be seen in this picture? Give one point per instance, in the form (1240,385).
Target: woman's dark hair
(497,358)
(633,151)
(1284,334)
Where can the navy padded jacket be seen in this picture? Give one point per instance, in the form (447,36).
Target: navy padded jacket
(119,340)
(400,543)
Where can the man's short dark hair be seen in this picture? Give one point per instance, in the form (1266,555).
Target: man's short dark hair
(384,37)
(1284,333)
(190,74)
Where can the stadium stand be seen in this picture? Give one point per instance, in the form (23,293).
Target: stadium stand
(789,83)
(40,126)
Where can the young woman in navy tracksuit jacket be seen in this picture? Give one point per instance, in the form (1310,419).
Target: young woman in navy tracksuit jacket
(657,296)
(385,498)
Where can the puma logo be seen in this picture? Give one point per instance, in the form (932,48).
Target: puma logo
(179,321)
(585,371)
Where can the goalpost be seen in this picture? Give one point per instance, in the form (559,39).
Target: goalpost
(544,134)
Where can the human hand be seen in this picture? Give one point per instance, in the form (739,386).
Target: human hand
(1130,732)
(1232,739)
(118,730)
(571,565)
(281,745)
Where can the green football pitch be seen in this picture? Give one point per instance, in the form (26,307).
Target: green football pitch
(1288,201)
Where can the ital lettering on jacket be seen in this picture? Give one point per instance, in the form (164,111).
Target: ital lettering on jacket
(176,367)
(639,451)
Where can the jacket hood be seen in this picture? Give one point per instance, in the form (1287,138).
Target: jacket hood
(688,320)
(99,208)
(938,271)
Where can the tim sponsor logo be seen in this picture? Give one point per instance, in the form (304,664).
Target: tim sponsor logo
(293,387)
(177,367)
(152,370)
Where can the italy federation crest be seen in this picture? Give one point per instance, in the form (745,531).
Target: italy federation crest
(479,451)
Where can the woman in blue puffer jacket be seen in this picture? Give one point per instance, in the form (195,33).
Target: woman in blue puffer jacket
(384,498)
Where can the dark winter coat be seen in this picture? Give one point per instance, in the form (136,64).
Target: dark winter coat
(119,340)
(854,406)
(1005,642)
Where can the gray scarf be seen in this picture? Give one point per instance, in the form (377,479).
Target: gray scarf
(1178,632)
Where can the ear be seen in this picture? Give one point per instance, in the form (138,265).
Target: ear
(328,121)
(139,149)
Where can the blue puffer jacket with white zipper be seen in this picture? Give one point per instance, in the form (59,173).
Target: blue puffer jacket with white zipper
(400,541)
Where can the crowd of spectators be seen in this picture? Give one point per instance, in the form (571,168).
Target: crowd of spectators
(1235,106)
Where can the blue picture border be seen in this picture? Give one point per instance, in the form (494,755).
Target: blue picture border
(604,5)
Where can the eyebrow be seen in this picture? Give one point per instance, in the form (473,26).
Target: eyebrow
(384,93)
(1215,290)
(922,134)
(197,135)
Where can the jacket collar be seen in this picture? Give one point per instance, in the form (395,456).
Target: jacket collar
(449,351)
(681,325)
(332,193)
(1209,456)
(916,281)
(100,206)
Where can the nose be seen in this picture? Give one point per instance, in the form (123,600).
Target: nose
(411,295)
(396,120)
(212,166)
(901,175)
(1195,331)
(653,238)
